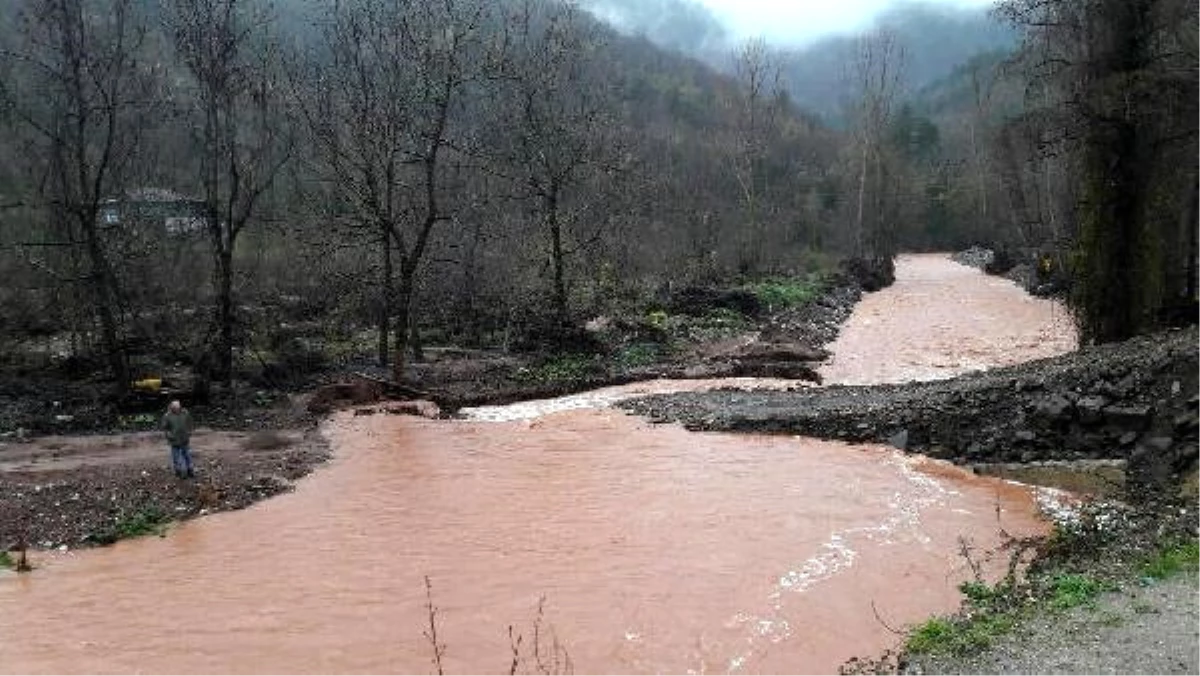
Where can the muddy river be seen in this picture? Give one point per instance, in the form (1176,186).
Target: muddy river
(648,548)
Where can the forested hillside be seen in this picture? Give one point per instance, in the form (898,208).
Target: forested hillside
(203,181)
(931,40)
(473,171)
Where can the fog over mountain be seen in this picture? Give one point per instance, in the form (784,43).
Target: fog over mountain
(682,25)
(935,38)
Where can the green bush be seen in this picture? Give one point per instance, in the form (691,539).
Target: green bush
(779,294)
(1173,558)
(1068,590)
(942,636)
(149,520)
(568,367)
(657,319)
(638,354)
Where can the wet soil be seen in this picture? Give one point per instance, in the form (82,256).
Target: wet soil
(78,491)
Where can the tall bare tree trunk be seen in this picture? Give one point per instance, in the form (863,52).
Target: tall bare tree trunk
(1191,225)
(387,292)
(404,297)
(105,298)
(859,232)
(556,253)
(225,318)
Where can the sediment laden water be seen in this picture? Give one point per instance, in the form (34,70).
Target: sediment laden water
(654,549)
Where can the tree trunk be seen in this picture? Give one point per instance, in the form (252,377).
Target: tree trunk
(862,191)
(225,314)
(387,293)
(560,286)
(466,304)
(102,291)
(408,272)
(1120,290)
(1190,226)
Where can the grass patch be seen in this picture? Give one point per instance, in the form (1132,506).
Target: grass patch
(1070,590)
(990,611)
(1097,550)
(563,368)
(723,318)
(6,561)
(716,324)
(958,635)
(778,294)
(146,521)
(638,354)
(139,420)
(1174,557)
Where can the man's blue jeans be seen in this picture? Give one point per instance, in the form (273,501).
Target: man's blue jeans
(181,458)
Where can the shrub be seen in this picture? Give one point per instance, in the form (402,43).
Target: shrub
(148,520)
(1069,590)
(1172,558)
(779,294)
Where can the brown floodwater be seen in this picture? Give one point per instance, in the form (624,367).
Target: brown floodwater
(653,548)
(940,320)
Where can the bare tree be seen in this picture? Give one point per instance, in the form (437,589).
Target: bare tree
(877,75)
(85,87)
(561,105)
(383,121)
(243,138)
(758,73)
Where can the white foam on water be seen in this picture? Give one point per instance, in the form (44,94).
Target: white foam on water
(530,410)
(837,555)
(1066,509)
(606,397)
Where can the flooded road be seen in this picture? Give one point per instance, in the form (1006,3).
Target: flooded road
(940,320)
(655,549)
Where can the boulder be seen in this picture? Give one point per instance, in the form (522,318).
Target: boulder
(1052,409)
(1133,418)
(1091,409)
(338,395)
(778,352)
(418,407)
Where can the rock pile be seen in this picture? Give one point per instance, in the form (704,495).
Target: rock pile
(1135,401)
(974,257)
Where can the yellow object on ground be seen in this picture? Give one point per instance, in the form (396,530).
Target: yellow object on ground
(148,384)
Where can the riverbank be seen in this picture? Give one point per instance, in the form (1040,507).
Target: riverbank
(75,474)
(1112,591)
(1135,401)
(62,492)
(1140,628)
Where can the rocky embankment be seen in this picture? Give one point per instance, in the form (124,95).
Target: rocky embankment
(1135,401)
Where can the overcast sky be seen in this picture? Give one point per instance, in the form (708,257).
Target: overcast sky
(801,20)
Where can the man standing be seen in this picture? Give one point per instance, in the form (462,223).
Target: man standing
(177,424)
